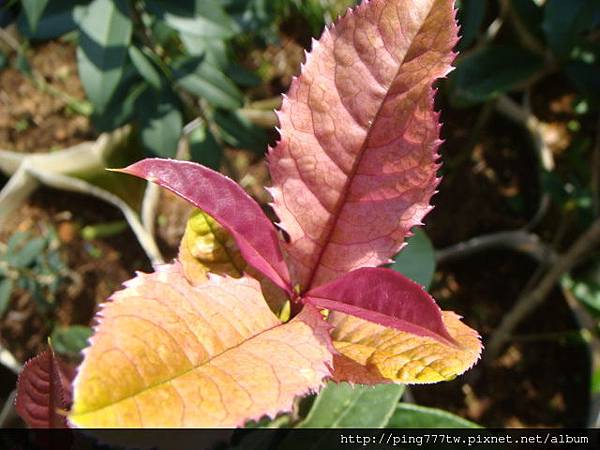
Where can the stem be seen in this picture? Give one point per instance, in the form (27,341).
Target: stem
(529,301)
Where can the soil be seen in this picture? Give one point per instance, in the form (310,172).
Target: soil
(541,379)
(33,119)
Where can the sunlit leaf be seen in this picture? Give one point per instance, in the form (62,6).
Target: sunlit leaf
(356,164)
(229,204)
(105,35)
(168,354)
(385,297)
(371,353)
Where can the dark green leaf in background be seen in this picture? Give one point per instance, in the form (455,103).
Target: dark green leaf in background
(161,123)
(530,15)
(470,17)
(204,149)
(586,78)
(27,254)
(204,18)
(122,105)
(105,36)
(417,260)
(69,341)
(238,132)
(207,81)
(345,406)
(564,21)
(408,415)
(585,287)
(490,72)
(145,67)
(33,11)
(58,18)
(6,288)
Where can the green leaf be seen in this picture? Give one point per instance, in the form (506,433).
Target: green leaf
(161,123)
(490,72)
(585,287)
(238,132)
(105,36)
(6,288)
(585,78)
(15,240)
(564,21)
(70,340)
(121,108)
(204,149)
(408,415)
(417,259)
(531,15)
(58,18)
(33,11)
(145,67)
(205,18)
(211,84)
(470,17)
(2,60)
(28,253)
(345,406)
(214,51)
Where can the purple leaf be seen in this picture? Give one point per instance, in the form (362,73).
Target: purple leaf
(385,297)
(228,203)
(43,390)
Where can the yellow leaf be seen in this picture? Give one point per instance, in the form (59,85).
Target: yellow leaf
(371,353)
(169,354)
(207,247)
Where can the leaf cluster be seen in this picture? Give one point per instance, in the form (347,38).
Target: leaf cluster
(34,264)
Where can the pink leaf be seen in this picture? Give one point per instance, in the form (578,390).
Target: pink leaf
(385,297)
(356,165)
(43,390)
(228,203)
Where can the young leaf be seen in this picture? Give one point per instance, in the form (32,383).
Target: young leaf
(105,36)
(43,392)
(355,167)
(414,416)
(168,354)
(206,247)
(227,202)
(350,406)
(385,297)
(373,354)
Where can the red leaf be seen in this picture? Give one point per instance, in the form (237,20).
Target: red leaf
(228,203)
(43,389)
(356,165)
(385,297)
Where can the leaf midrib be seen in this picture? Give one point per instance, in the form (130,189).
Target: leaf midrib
(179,374)
(346,190)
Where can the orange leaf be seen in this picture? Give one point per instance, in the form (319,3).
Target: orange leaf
(371,353)
(169,354)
